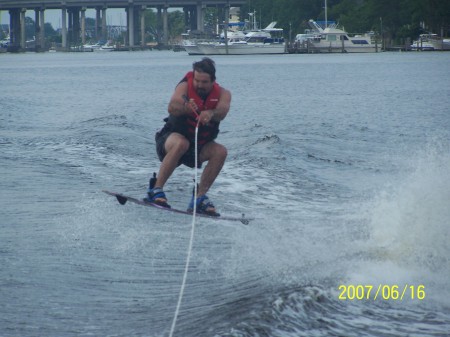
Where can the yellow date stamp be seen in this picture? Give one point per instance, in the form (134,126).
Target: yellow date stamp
(383,292)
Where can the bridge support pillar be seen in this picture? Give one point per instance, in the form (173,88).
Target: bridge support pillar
(74,26)
(200,13)
(14,30)
(186,19)
(83,26)
(166,26)
(142,13)
(42,28)
(22,29)
(64,27)
(38,28)
(193,18)
(97,23)
(130,25)
(104,30)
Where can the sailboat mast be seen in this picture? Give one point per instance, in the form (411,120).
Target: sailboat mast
(326,14)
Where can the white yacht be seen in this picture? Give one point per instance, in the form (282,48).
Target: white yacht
(334,40)
(197,46)
(430,42)
(107,47)
(264,41)
(91,47)
(189,44)
(4,44)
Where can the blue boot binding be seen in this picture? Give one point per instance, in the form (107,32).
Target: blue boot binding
(204,206)
(157,196)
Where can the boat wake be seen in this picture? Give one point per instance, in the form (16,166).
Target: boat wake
(408,229)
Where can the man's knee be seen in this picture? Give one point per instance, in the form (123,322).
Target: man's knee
(221,151)
(178,143)
(213,151)
(182,144)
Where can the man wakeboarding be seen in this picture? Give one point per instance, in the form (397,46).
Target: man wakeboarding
(197,100)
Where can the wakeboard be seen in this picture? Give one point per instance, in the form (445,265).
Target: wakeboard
(122,199)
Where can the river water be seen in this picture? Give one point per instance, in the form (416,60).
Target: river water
(343,161)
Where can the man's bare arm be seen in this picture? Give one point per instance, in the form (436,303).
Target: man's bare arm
(177,105)
(223,106)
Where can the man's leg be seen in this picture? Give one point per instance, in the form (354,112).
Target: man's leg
(175,146)
(215,154)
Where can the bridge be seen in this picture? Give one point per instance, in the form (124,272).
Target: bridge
(73,19)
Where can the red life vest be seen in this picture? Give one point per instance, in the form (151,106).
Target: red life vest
(213,97)
(185,125)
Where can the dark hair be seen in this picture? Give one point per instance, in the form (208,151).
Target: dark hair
(206,65)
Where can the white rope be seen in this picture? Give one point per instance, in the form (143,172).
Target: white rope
(191,241)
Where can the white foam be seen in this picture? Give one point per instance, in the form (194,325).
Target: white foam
(409,227)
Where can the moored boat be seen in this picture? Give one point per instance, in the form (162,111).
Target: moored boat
(107,47)
(191,40)
(92,47)
(263,41)
(334,40)
(430,42)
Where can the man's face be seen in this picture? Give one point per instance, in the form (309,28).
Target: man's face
(202,83)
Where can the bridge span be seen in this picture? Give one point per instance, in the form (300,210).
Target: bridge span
(73,19)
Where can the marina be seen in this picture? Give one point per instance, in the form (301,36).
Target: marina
(206,18)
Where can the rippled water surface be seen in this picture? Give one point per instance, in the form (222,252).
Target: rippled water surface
(341,159)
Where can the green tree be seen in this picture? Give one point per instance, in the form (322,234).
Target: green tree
(48,30)
(30,29)
(154,29)
(436,15)
(176,24)
(151,30)
(399,18)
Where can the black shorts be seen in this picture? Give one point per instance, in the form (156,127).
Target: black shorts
(188,158)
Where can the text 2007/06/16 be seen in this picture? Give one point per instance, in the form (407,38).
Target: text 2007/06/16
(381,292)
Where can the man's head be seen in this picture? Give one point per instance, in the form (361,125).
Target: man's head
(204,76)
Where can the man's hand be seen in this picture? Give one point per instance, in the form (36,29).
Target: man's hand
(191,106)
(206,116)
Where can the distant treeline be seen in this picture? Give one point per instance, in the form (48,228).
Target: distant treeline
(397,19)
